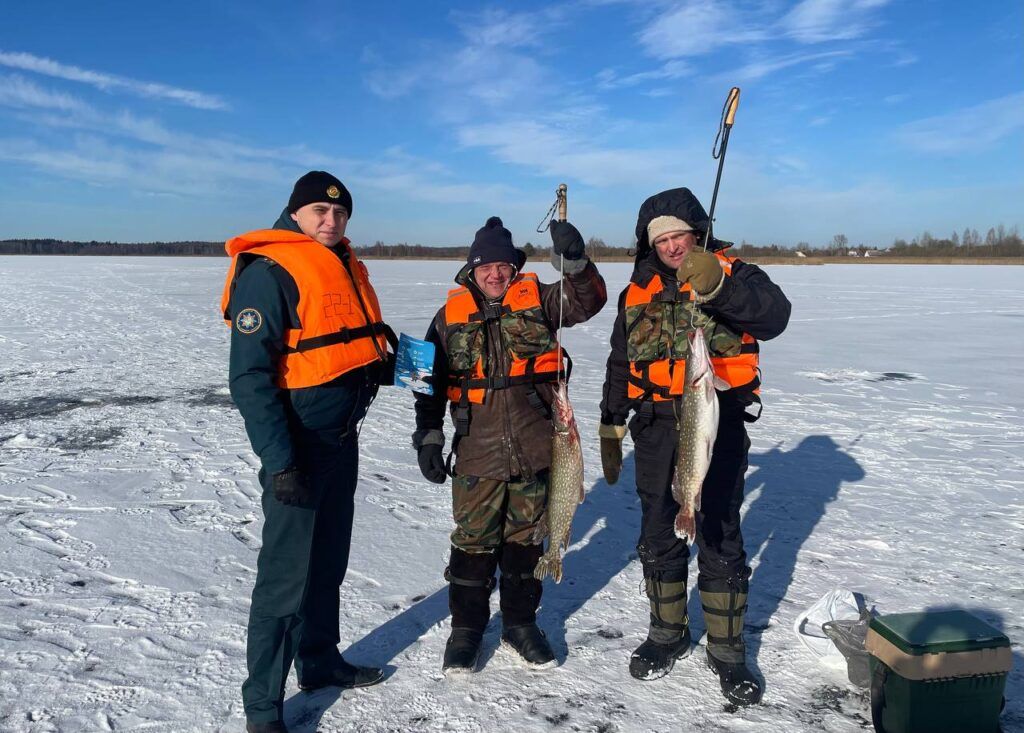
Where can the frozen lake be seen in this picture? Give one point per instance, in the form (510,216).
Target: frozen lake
(889,460)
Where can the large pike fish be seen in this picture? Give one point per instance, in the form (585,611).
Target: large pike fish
(565,484)
(698,429)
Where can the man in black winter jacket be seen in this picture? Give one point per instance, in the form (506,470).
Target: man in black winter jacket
(676,286)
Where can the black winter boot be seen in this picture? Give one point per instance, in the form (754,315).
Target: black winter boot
(739,685)
(471,580)
(462,650)
(274,726)
(341,674)
(668,638)
(530,643)
(520,598)
(724,604)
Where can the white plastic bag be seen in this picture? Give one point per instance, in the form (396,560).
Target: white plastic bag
(836,605)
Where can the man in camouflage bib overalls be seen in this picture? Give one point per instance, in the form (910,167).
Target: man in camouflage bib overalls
(497,362)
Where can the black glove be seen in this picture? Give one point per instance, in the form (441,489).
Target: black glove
(290,487)
(566,240)
(431,461)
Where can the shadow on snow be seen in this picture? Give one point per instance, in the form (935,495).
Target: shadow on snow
(795,488)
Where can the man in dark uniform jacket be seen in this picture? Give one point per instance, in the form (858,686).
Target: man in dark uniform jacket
(675,287)
(303,376)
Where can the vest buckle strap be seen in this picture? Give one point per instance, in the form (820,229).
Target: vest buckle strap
(490,312)
(343,336)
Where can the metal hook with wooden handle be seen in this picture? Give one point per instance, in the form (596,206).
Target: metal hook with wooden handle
(732,102)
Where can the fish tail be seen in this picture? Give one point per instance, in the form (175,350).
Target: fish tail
(546,567)
(543,568)
(686,526)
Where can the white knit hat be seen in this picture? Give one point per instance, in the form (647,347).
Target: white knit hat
(663,224)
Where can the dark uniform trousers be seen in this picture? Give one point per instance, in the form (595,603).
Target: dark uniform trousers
(721,560)
(295,601)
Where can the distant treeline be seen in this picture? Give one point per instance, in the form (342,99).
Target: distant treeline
(997,242)
(60,247)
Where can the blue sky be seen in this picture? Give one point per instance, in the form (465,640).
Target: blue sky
(873,118)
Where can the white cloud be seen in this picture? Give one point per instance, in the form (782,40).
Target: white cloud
(96,161)
(815,21)
(763,67)
(550,151)
(674,69)
(489,71)
(122,149)
(500,28)
(110,82)
(966,131)
(698,27)
(421,179)
(16,91)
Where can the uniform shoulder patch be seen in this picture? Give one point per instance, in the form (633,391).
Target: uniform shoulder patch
(249,321)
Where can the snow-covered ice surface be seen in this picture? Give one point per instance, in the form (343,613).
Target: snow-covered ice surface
(888,460)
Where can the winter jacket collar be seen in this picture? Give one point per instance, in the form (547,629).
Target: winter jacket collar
(647,267)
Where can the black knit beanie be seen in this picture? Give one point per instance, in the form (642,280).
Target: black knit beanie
(319,187)
(493,243)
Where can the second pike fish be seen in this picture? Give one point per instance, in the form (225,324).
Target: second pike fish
(698,429)
(565,487)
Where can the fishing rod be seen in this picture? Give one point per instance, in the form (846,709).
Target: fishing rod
(732,101)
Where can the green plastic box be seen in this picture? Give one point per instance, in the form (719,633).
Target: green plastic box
(936,672)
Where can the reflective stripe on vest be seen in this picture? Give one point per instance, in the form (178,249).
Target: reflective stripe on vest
(461,308)
(663,379)
(341,326)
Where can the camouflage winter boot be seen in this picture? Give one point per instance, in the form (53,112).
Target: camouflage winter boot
(520,598)
(668,638)
(470,579)
(724,603)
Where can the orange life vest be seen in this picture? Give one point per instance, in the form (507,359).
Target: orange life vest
(341,326)
(532,360)
(662,379)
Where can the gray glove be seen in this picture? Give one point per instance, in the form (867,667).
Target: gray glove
(611,450)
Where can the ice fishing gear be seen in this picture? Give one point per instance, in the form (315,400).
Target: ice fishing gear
(563,205)
(718,150)
(937,671)
(732,101)
(560,206)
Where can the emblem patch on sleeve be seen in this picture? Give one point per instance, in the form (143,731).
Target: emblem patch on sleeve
(249,321)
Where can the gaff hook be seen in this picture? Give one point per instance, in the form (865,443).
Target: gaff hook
(560,205)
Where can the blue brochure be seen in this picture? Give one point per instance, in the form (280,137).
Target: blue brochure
(414,364)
